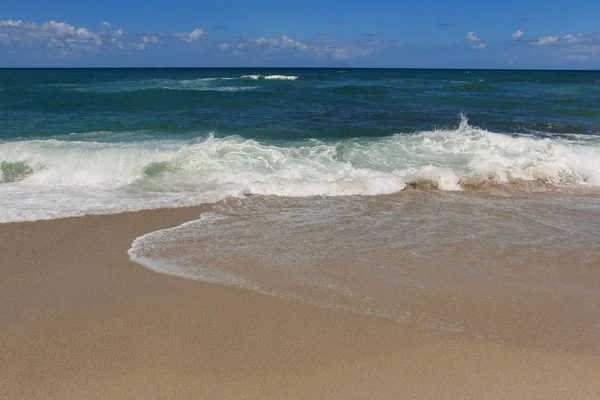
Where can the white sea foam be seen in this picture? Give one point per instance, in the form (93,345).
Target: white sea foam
(271,77)
(216,89)
(200,84)
(50,178)
(377,255)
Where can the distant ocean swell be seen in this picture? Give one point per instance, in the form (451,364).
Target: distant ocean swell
(63,178)
(200,84)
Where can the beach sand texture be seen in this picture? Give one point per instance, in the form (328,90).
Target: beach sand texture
(79,320)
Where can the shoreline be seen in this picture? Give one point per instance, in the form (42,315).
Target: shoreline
(80,320)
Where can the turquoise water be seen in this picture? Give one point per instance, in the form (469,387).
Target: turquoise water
(320,103)
(371,191)
(77,141)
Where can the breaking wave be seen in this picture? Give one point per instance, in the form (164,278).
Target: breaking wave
(218,84)
(74,178)
(271,77)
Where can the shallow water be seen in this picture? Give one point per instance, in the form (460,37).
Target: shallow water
(440,260)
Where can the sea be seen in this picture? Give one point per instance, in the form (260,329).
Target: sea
(443,198)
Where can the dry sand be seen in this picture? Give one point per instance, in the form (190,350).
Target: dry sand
(78,320)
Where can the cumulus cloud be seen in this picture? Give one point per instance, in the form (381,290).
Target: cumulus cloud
(61,36)
(263,41)
(63,30)
(15,24)
(59,39)
(150,39)
(193,36)
(323,50)
(56,38)
(145,41)
(518,34)
(480,46)
(116,39)
(471,37)
(546,40)
(562,40)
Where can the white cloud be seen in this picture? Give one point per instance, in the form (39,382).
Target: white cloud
(573,38)
(11,23)
(145,40)
(518,34)
(60,38)
(288,42)
(197,34)
(150,39)
(564,40)
(266,42)
(64,36)
(60,29)
(193,36)
(116,38)
(546,40)
(471,37)
(480,46)
(288,48)
(56,38)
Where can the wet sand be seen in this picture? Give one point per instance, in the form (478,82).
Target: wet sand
(81,321)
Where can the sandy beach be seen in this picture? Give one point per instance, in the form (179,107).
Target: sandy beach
(79,320)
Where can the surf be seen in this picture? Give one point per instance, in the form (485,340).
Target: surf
(204,170)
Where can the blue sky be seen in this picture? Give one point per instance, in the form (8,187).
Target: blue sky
(410,34)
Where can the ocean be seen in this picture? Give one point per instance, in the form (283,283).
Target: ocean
(365,190)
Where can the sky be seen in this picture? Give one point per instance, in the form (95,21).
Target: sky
(233,33)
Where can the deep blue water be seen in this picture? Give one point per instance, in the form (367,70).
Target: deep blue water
(320,103)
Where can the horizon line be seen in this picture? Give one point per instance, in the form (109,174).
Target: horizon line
(326,67)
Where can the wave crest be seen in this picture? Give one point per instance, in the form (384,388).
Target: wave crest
(271,77)
(164,173)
